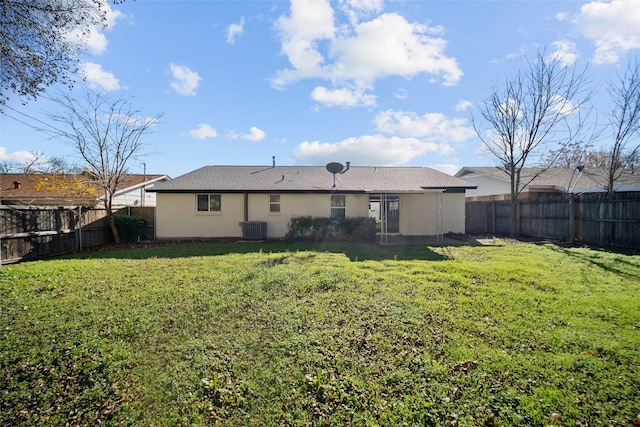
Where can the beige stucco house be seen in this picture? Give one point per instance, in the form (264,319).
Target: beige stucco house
(230,201)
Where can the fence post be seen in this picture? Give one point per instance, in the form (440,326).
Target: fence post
(493,217)
(572,218)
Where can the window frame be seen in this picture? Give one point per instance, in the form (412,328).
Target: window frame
(273,204)
(338,209)
(211,202)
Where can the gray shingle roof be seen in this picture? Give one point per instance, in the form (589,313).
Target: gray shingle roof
(310,178)
(563,179)
(61,189)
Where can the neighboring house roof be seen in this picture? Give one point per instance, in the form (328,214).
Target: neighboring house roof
(565,180)
(31,188)
(311,179)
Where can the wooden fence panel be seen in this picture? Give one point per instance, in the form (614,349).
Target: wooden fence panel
(478,218)
(547,220)
(503,217)
(588,218)
(37,232)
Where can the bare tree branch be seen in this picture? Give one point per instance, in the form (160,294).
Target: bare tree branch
(541,107)
(107,133)
(625,123)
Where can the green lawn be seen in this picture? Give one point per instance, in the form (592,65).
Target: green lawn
(276,334)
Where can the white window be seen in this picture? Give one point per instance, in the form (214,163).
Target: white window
(338,206)
(209,203)
(274,203)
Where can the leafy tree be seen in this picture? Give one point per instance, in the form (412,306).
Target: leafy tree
(107,133)
(71,185)
(36,47)
(536,110)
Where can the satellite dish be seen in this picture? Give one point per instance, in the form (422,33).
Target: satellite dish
(334,167)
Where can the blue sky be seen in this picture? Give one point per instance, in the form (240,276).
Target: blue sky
(365,81)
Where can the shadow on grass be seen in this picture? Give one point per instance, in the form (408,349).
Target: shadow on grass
(622,267)
(353,251)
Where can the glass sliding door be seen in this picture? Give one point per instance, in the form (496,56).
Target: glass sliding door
(385,208)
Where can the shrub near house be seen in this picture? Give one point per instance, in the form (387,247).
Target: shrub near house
(317,229)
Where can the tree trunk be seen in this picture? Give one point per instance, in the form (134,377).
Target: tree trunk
(111,219)
(514,224)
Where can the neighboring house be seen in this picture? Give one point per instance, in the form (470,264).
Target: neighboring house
(133,190)
(32,189)
(494,184)
(219,201)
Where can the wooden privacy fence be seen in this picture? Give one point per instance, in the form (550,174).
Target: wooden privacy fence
(28,233)
(586,218)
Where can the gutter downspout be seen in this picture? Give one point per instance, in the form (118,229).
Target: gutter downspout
(246,207)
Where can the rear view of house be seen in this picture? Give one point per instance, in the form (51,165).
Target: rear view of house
(230,201)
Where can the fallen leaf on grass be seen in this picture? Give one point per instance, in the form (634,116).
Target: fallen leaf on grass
(465,365)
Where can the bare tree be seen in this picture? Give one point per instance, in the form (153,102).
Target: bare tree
(540,108)
(6,167)
(37,162)
(36,47)
(107,133)
(31,162)
(625,122)
(571,155)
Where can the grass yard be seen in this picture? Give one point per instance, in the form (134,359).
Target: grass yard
(322,335)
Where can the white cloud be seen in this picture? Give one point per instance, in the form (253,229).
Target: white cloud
(359,9)
(310,22)
(448,168)
(463,105)
(403,137)
(255,134)
(345,98)
(203,131)
(184,80)
(389,45)
(96,77)
(434,126)
(235,30)
(368,150)
(355,55)
(17,157)
(95,40)
(613,26)
(565,52)
(401,94)
(563,106)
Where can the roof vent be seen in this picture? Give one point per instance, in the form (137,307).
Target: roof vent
(273,159)
(16,184)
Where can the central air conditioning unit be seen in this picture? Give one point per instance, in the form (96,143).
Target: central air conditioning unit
(254,230)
